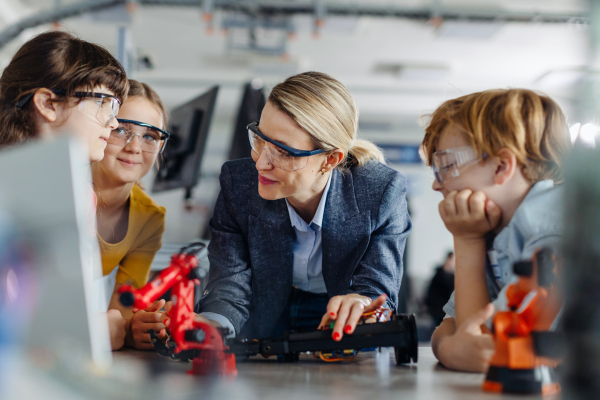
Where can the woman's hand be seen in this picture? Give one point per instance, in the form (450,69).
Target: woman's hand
(346,312)
(141,322)
(468,214)
(116,328)
(468,349)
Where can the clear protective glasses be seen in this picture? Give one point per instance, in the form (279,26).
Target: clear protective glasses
(103,107)
(152,139)
(447,164)
(280,155)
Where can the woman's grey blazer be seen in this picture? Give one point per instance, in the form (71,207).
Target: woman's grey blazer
(365,225)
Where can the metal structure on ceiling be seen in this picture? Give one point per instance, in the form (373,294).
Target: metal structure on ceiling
(320,9)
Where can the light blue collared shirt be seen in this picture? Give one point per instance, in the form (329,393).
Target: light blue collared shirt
(308,249)
(308,256)
(537,223)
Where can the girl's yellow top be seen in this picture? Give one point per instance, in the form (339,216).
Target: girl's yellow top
(134,254)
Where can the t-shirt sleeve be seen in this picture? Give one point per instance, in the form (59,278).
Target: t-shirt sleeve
(135,266)
(449,308)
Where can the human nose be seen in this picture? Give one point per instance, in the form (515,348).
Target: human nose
(436,186)
(133,145)
(264,162)
(113,123)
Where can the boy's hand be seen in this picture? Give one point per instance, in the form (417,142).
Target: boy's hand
(468,214)
(166,319)
(469,349)
(141,322)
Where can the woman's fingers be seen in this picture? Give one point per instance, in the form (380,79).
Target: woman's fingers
(333,307)
(342,318)
(375,304)
(323,321)
(356,312)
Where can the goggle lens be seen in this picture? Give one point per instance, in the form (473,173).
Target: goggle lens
(447,164)
(151,140)
(280,158)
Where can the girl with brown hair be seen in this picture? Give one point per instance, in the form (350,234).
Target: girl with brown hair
(130,223)
(58,84)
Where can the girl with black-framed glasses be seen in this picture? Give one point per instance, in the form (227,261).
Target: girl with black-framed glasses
(57,84)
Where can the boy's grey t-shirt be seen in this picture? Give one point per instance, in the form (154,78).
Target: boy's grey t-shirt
(537,223)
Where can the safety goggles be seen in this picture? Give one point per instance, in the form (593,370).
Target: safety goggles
(280,155)
(101,106)
(447,164)
(152,139)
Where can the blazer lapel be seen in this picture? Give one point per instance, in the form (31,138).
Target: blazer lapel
(346,233)
(270,236)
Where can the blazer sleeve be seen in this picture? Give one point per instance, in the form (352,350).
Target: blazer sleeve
(380,269)
(229,290)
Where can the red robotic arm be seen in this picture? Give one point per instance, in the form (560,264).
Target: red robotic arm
(193,339)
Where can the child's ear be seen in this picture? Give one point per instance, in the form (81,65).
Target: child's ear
(506,166)
(42,101)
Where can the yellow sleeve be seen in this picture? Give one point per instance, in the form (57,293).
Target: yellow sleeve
(134,268)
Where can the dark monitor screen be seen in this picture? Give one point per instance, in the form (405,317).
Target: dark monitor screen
(189,126)
(251,106)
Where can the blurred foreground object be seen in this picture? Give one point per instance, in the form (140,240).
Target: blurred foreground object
(580,378)
(53,259)
(525,358)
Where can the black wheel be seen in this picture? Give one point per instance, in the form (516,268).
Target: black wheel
(404,355)
(291,357)
(414,342)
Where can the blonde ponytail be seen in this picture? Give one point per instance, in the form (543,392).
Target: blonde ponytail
(362,152)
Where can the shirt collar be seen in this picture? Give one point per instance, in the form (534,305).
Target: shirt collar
(317,221)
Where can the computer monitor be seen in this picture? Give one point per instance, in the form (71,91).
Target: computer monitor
(46,201)
(189,126)
(253,101)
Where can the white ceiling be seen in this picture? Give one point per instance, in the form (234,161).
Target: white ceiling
(397,69)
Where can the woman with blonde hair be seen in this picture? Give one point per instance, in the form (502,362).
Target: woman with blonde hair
(312,227)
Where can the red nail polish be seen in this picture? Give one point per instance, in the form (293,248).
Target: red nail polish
(166,322)
(348,329)
(336,336)
(332,314)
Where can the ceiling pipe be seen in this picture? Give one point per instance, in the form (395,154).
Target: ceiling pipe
(297,7)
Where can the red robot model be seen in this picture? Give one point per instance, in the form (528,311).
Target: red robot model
(189,339)
(525,359)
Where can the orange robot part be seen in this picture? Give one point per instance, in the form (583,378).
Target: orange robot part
(534,304)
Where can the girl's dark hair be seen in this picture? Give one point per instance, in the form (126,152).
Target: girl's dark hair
(143,90)
(56,61)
